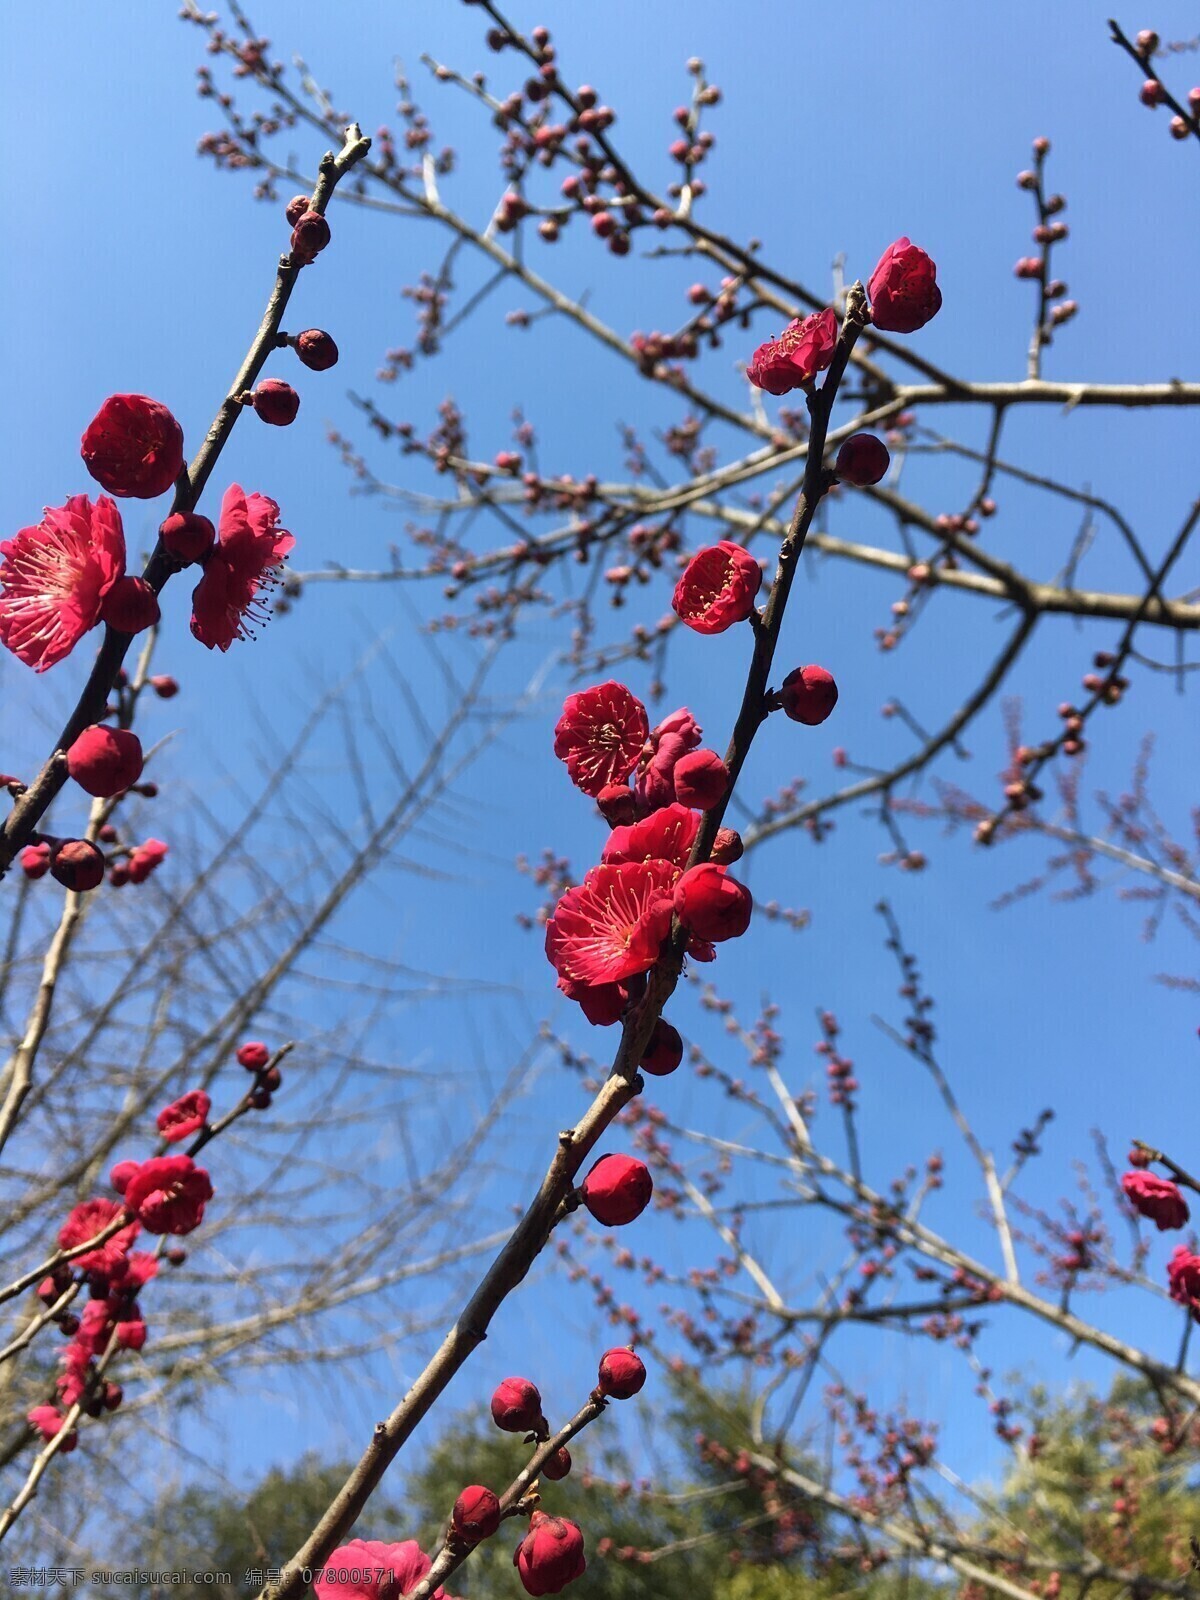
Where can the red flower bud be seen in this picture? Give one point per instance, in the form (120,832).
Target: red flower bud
(164,686)
(808,695)
(664,1052)
(701,779)
(35,861)
(717,588)
(862,460)
(316,349)
(550,1556)
(517,1407)
(104,760)
(476,1513)
(727,847)
(711,904)
(558,1465)
(617,805)
(276,402)
(77,865)
(296,207)
(903,289)
(120,1175)
(133,446)
(309,237)
(622,1374)
(1138,1157)
(130,605)
(253,1055)
(131,1335)
(187,536)
(617,1189)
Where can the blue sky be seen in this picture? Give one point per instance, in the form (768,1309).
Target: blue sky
(132,265)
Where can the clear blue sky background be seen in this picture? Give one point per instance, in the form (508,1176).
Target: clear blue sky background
(130,264)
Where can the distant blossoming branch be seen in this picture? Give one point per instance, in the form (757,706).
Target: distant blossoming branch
(65,575)
(164,1196)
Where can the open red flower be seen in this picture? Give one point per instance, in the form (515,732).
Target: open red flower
(244,561)
(665,835)
(186,1115)
(612,925)
(717,588)
(168,1194)
(903,289)
(600,735)
(1156,1198)
(49,1420)
(87,1220)
(804,348)
(133,1273)
(368,1569)
(550,1556)
(133,446)
(54,577)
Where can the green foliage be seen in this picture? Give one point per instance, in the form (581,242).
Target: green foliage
(1101,1482)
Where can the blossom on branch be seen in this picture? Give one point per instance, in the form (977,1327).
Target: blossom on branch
(622,1374)
(617,1190)
(550,1556)
(105,761)
(612,925)
(665,835)
(1156,1198)
(903,289)
(184,1116)
(88,1219)
(517,1407)
(54,578)
(804,348)
(601,735)
(168,1194)
(245,559)
(711,904)
(133,447)
(674,737)
(717,588)
(1183,1278)
(368,1569)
